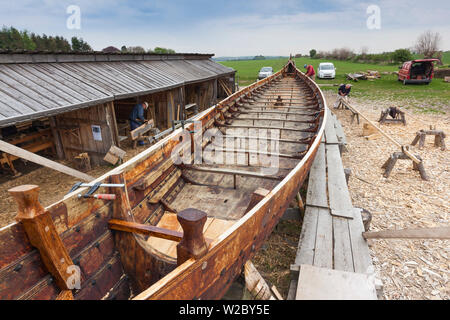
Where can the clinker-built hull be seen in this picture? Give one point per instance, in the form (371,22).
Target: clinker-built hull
(194,207)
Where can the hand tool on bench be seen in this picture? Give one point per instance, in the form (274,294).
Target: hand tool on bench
(93,188)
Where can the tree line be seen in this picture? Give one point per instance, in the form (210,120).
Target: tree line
(14,39)
(427,45)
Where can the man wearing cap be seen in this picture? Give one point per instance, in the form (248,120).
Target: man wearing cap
(343,93)
(137,117)
(310,72)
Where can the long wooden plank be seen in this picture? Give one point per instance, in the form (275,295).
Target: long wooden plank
(24,154)
(330,132)
(340,200)
(323,251)
(326,284)
(362,262)
(135,134)
(316,194)
(307,241)
(423,233)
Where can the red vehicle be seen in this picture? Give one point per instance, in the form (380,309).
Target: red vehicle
(417,71)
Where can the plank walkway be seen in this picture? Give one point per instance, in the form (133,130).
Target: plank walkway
(331,239)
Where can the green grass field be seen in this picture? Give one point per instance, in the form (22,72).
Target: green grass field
(431,98)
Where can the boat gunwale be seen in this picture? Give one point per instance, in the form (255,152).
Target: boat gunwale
(180,270)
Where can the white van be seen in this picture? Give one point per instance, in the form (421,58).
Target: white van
(326,71)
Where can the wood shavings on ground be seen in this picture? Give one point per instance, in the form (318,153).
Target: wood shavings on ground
(409,269)
(53,184)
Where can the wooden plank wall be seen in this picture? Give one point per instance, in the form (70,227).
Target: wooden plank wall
(76,132)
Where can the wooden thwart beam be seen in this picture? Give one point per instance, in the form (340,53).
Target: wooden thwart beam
(232,172)
(424,233)
(24,154)
(278,112)
(263,127)
(300,141)
(271,154)
(274,119)
(133,227)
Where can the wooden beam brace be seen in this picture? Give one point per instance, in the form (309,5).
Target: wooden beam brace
(24,154)
(232,172)
(274,107)
(423,233)
(133,227)
(278,112)
(271,154)
(300,141)
(275,119)
(264,127)
(41,232)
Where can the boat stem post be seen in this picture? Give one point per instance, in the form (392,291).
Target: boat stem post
(193,244)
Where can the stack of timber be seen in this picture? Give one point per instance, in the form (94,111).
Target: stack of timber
(173,231)
(333,260)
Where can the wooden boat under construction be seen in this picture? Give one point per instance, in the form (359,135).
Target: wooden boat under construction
(175,230)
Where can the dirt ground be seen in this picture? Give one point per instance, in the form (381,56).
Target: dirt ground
(409,269)
(54,185)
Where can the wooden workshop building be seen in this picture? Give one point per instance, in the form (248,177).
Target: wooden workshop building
(68,104)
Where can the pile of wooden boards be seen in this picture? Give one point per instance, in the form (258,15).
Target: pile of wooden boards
(369,75)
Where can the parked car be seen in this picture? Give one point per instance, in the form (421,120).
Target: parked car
(326,71)
(417,71)
(265,72)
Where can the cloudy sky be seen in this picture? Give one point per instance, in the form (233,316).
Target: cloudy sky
(235,28)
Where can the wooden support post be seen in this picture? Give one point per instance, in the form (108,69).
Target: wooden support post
(65,295)
(41,232)
(193,244)
(56,138)
(24,154)
(257,196)
(301,205)
(256,284)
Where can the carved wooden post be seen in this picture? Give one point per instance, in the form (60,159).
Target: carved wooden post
(41,232)
(193,244)
(257,196)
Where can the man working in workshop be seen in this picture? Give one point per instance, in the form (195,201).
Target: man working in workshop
(310,72)
(343,93)
(137,117)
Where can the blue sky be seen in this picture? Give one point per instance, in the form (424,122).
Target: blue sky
(234,28)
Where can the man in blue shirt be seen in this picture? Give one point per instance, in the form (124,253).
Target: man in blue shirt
(343,94)
(137,117)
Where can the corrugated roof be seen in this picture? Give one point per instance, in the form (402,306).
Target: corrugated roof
(33,90)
